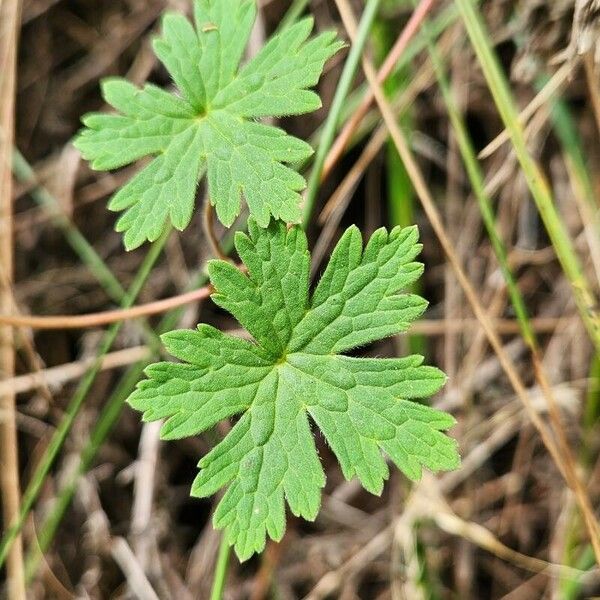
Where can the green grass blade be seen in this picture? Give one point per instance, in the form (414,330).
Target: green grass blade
(292,15)
(341,92)
(439,24)
(37,480)
(538,186)
(477,181)
(24,173)
(220,570)
(566,131)
(108,417)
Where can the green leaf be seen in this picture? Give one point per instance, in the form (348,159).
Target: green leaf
(292,371)
(210,128)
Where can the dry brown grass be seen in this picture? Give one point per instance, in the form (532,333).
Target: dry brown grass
(508,523)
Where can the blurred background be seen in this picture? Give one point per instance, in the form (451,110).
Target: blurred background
(496,158)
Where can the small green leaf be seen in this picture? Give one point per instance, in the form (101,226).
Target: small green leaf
(293,371)
(210,127)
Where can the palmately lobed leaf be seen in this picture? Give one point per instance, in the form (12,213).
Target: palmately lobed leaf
(209,127)
(293,372)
